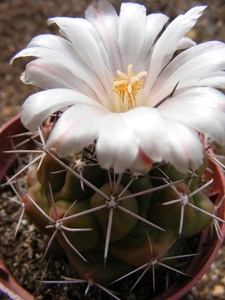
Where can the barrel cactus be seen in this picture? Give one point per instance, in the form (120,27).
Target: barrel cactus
(129,106)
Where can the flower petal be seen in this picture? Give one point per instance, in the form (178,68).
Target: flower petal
(51,74)
(84,37)
(164,139)
(185,43)
(50,71)
(185,149)
(76,128)
(116,145)
(131,32)
(154,24)
(167,43)
(190,68)
(105,21)
(39,106)
(215,79)
(51,42)
(200,108)
(147,126)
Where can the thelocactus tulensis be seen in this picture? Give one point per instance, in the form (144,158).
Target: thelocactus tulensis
(129,108)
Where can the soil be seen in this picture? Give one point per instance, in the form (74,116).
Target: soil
(20,20)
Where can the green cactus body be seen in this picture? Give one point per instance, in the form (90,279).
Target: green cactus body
(49,172)
(135,248)
(81,240)
(200,220)
(138,185)
(193,222)
(168,171)
(37,193)
(124,223)
(169,215)
(95,268)
(72,189)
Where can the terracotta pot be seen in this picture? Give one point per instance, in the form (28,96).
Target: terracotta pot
(208,246)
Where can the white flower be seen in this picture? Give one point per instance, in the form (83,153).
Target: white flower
(117,81)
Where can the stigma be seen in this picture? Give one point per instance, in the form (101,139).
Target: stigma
(127,88)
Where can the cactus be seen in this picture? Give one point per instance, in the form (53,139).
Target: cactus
(110,225)
(120,184)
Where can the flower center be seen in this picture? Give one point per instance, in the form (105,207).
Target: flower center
(127,87)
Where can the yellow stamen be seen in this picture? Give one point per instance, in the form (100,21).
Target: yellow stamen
(127,87)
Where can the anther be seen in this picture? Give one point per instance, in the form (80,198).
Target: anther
(127,87)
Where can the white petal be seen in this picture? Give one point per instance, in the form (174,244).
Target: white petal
(52,42)
(167,43)
(150,130)
(76,128)
(52,64)
(105,20)
(185,149)
(131,34)
(215,79)
(88,44)
(200,108)
(39,106)
(116,145)
(51,74)
(61,51)
(154,24)
(162,138)
(185,43)
(189,68)
(142,163)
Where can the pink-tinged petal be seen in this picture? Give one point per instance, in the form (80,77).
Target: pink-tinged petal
(161,138)
(185,43)
(62,49)
(52,64)
(116,145)
(76,128)
(54,43)
(215,79)
(88,45)
(149,128)
(39,106)
(50,74)
(184,148)
(200,108)
(142,163)
(167,43)
(154,24)
(62,53)
(105,20)
(189,68)
(54,48)
(131,38)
